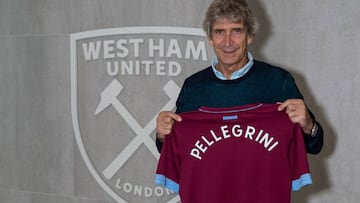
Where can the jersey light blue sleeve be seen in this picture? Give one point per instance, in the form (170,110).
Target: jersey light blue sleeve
(301,182)
(167,183)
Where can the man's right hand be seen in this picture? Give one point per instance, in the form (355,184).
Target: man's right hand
(164,123)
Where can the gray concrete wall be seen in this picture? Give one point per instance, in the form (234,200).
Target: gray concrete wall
(41,159)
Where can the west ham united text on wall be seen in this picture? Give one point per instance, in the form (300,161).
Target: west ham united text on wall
(158,55)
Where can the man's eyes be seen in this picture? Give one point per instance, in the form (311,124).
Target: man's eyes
(234,31)
(218,32)
(238,31)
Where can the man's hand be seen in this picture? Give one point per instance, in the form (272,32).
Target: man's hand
(298,113)
(164,123)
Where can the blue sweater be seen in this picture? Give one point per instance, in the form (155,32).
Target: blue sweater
(263,83)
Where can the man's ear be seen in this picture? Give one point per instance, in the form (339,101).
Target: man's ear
(249,39)
(211,42)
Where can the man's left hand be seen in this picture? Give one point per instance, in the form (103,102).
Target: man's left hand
(298,113)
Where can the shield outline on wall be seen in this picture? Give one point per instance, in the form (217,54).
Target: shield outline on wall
(74,37)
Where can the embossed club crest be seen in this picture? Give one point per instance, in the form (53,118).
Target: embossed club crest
(120,79)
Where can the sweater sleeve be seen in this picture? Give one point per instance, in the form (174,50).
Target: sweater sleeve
(313,144)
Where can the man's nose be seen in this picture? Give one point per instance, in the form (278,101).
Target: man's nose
(228,39)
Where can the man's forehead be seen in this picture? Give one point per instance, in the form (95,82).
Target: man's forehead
(223,23)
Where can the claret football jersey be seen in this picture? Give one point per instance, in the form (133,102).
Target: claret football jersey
(246,154)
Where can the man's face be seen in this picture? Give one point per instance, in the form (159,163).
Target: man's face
(229,41)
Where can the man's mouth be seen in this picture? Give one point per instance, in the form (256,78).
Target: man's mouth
(229,50)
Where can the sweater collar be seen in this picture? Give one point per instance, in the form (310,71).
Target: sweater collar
(235,75)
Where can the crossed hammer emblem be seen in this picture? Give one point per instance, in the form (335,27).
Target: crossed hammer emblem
(109,97)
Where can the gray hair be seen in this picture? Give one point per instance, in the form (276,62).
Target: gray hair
(236,11)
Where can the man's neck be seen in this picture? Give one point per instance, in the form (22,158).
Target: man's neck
(228,70)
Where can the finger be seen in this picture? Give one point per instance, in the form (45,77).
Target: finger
(164,114)
(283,105)
(293,115)
(165,121)
(289,104)
(174,116)
(163,130)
